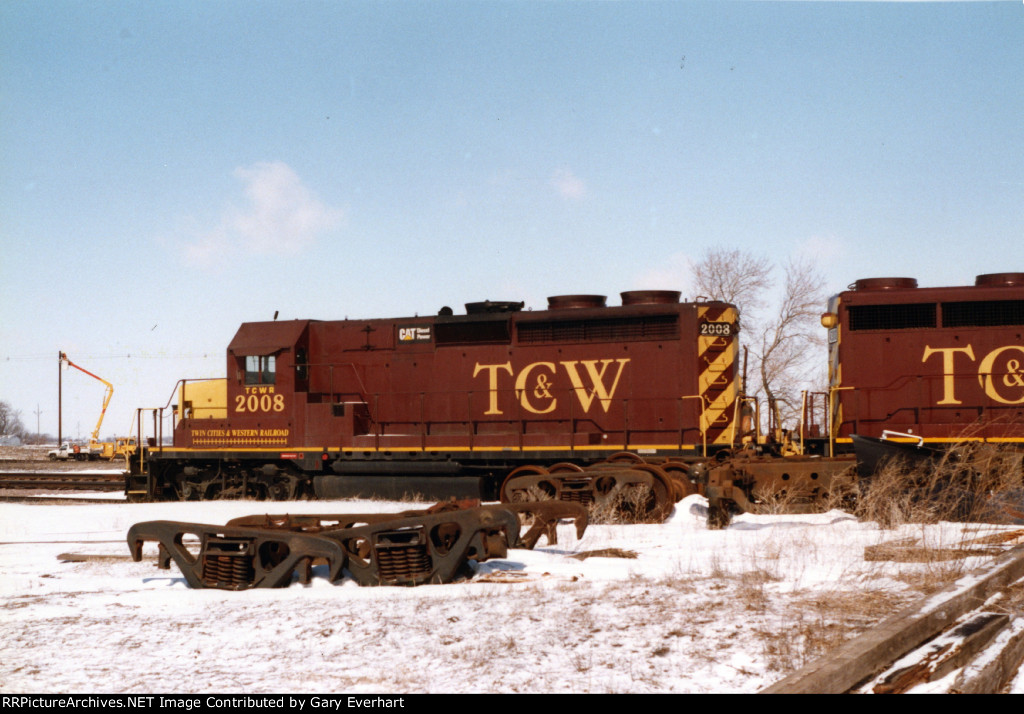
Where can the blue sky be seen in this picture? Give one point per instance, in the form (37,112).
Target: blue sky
(170,170)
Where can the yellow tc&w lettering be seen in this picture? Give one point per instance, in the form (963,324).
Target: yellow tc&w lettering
(1011,373)
(535,382)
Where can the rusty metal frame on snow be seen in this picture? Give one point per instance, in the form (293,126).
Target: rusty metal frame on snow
(542,517)
(409,548)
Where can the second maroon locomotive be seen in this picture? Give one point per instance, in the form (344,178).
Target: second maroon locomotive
(912,371)
(936,365)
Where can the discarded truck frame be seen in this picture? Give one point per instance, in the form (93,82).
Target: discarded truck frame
(408,548)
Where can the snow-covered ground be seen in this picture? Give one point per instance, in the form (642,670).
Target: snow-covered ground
(694,611)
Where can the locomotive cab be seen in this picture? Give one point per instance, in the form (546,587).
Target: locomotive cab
(255,404)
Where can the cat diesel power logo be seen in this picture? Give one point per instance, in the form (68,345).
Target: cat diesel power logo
(414,333)
(592,380)
(1000,372)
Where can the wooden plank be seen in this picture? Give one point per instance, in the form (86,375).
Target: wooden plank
(947,652)
(870,653)
(910,550)
(997,673)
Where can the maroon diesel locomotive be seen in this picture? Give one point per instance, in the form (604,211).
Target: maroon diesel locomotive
(315,406)
(911,371)
(930,365)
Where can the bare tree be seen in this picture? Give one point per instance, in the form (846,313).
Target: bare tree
(735,277)
(778,327)
(791,346)
(10,421)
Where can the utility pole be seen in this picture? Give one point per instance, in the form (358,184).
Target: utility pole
(60,398)
(37,421)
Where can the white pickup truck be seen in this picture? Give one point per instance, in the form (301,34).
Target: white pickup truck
(73,451)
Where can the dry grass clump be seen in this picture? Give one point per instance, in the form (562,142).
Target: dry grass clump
(751,589)
(628,506)
(774,502)
(972,482)
(820,622)
(934,576)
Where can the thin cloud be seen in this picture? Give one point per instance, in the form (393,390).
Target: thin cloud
(279,216)
(671,273)
(823,248)
(567,185)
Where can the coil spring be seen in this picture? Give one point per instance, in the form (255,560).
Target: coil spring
(584,498)
(227,570)
(403,563)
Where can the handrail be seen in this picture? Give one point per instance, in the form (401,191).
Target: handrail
(886,433)
(834,423)
(757,416)
(703,408)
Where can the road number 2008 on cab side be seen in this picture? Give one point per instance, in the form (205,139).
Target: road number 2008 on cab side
(259,403)
(716,329)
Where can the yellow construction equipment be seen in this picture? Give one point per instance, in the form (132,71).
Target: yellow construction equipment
(103,449)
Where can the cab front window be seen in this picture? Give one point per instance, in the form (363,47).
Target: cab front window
(260,369)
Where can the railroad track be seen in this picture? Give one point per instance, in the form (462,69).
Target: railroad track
(968,638)
(62,480)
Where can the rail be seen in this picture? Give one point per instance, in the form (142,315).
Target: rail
(434,420)
(703,426)
(886,433)
(61,481)
(834,423)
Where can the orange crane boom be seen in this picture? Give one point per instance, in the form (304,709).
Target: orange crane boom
(106,399)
